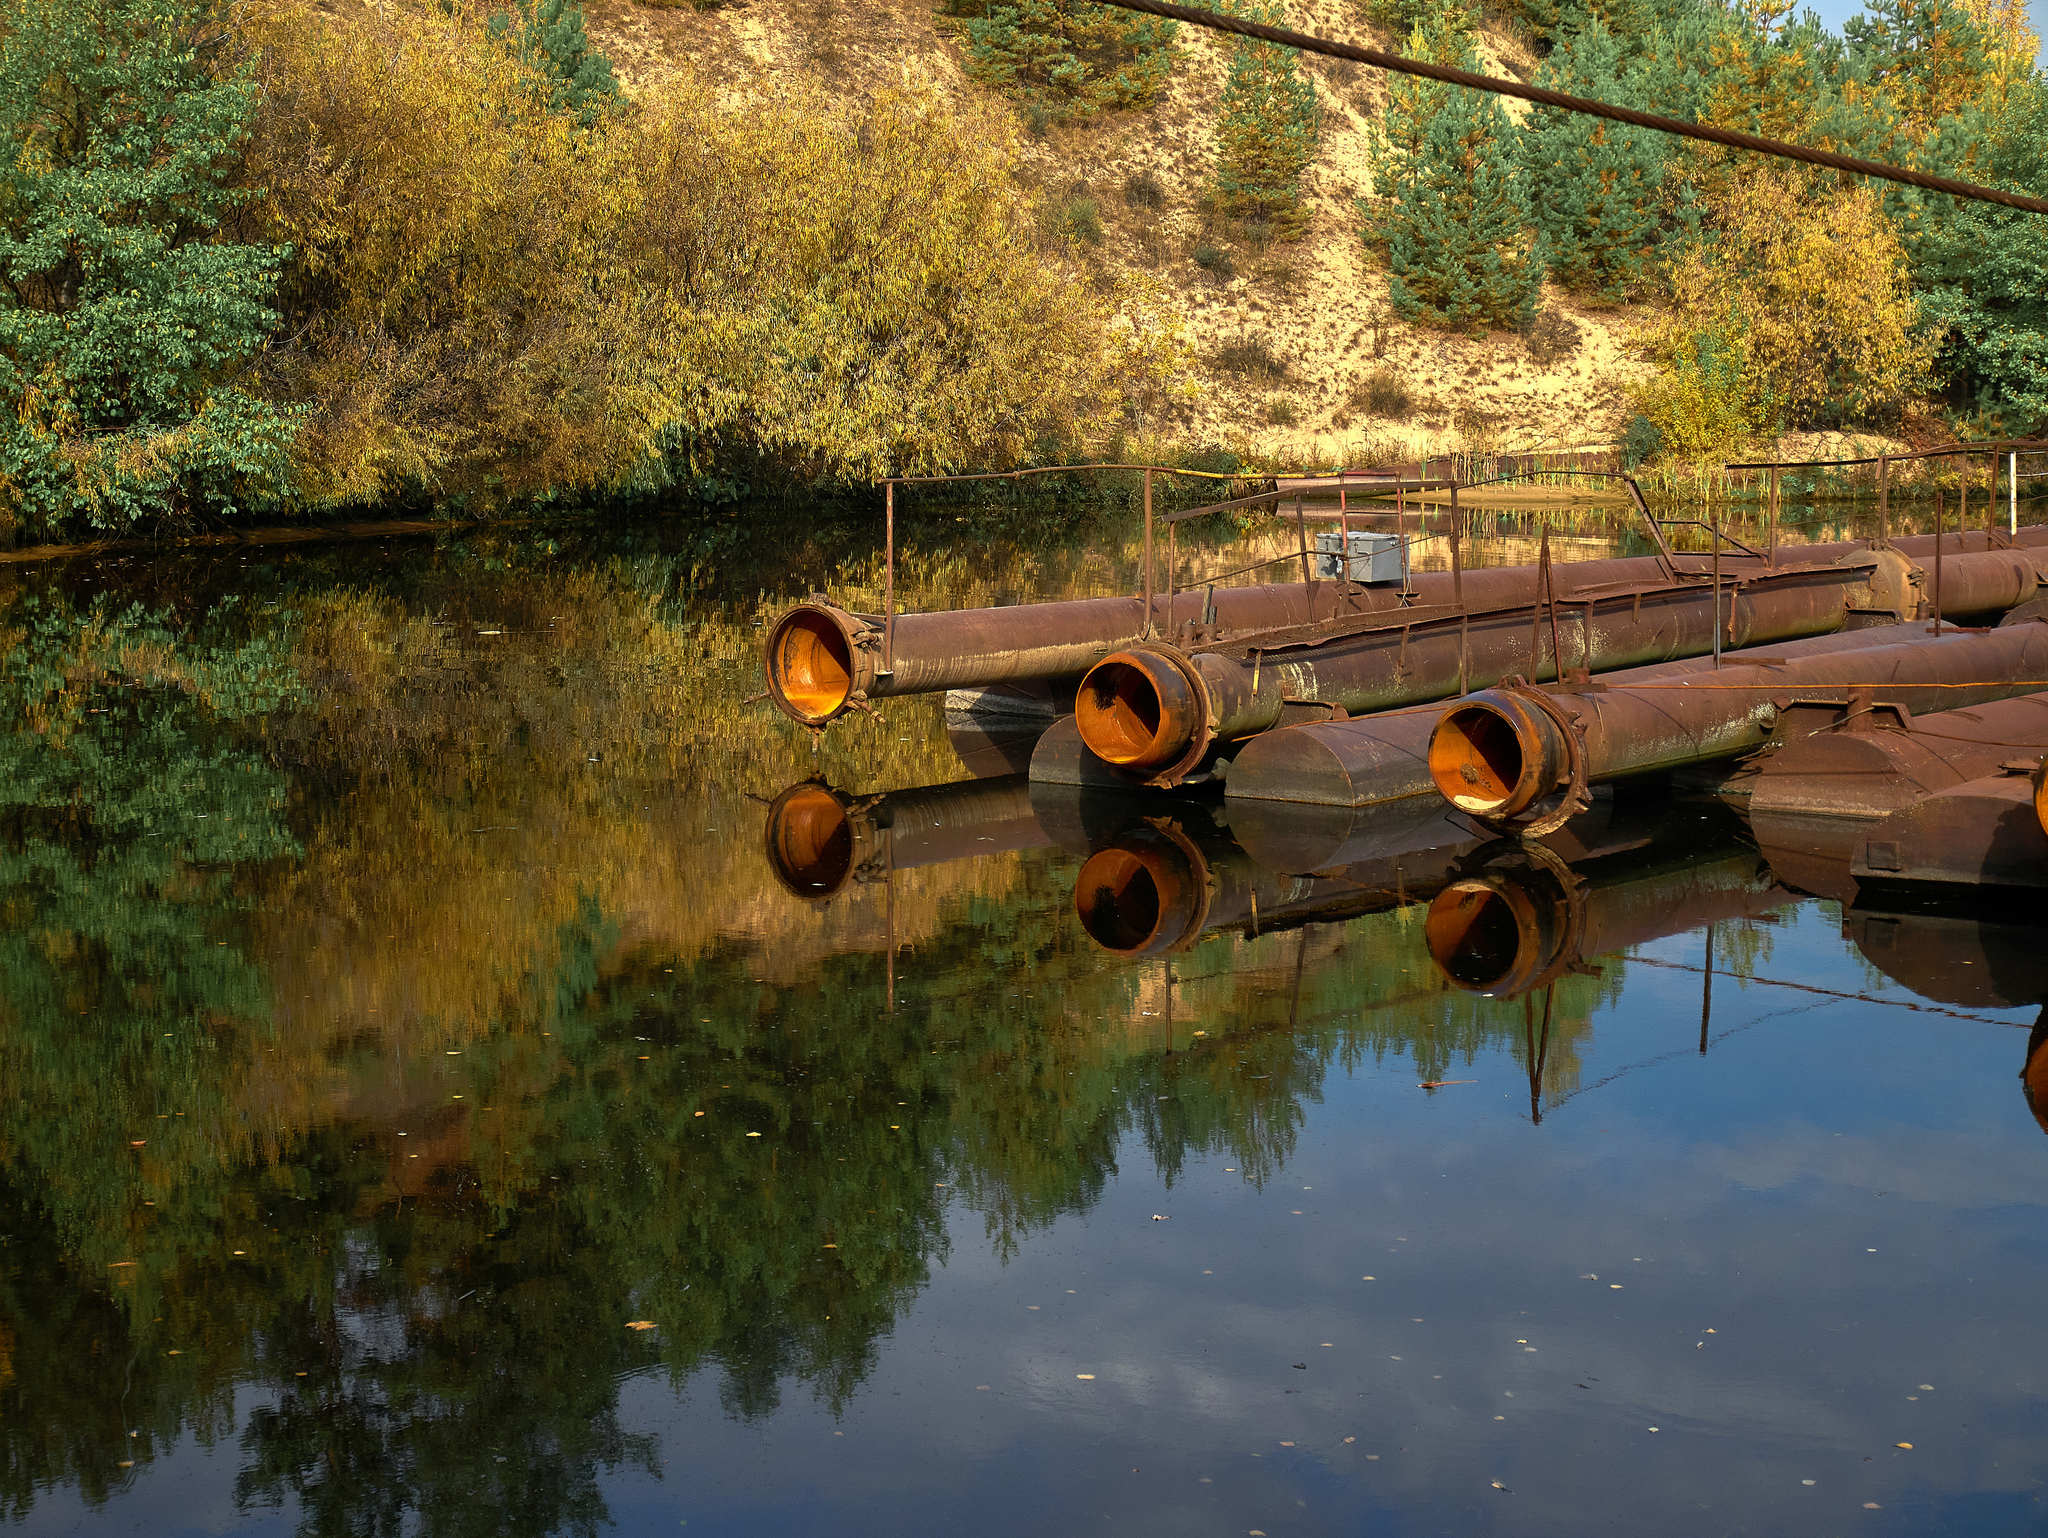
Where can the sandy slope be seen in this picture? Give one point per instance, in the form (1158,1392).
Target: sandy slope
(1318,304)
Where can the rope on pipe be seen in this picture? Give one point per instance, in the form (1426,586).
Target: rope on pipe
(1543,96)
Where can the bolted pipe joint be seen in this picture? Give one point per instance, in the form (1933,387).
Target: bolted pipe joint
(1141,709)
(1143,894)
(819,660)
(1497,753)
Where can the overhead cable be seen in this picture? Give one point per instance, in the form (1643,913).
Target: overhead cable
(1543,96)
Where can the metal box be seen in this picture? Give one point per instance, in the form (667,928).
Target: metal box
(1374,557)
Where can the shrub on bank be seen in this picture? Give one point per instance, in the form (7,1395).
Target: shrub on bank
(424,253)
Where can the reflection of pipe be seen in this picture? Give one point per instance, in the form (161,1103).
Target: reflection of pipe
(1158,708)
(1498,752)
(2034,1073)
(1965,959)
(1855,762)
(819,839)
(823,660)
(1521,918)
(1161,883)
(1386,757)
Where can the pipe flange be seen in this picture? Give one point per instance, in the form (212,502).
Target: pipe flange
(1576,795)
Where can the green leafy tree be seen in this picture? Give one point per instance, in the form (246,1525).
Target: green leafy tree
(124,314)
(1986,276)
(1067,58)
(1595,187)
(1266,129)
(1449,207)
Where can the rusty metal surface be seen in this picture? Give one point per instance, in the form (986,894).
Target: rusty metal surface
(1863,762)
(1982,833)
(1384,757)
(1519,919)
(822,660)
(1491,757)
(1160,709)
(820,840)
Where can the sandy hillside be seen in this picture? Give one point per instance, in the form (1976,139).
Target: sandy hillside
(1288,337)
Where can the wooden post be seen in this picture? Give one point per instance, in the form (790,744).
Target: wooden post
(889,581)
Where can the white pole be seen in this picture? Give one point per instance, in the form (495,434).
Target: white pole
(2012,488)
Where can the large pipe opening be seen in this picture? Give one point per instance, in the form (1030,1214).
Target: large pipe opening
(810,665)
(1476,937)
(810,841)
(1135,710)
(1139,896)
(1477,761)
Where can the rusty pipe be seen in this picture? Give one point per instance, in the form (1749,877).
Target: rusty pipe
(1497,753)
(1985,832)
(823,660)
(819,840)
(1854,760)
(1158,710)
(1385,757)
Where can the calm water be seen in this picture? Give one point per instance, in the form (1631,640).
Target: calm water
(423,1109)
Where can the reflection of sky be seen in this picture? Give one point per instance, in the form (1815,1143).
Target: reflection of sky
(1835,12)
(1762,1254)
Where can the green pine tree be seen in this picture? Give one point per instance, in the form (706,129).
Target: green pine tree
(555,39)
(1066,58)
(124,312)
(1266,129)
(1595,187)
(1985,271)
(1449,207)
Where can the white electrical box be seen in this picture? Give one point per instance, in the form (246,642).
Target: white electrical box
(1373,557)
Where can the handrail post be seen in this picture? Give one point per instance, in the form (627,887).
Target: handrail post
(1301,534)
(889,579)
(2012,490)
(1937,557)
(1717,589)
(1772,514)
(1884,498)
(1172,574)
(1149,630)
(1458,592)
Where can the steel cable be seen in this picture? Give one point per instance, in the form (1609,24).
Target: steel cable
(1543,96)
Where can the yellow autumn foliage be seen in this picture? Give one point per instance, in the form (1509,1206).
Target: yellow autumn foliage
(487,300)
(1797,312)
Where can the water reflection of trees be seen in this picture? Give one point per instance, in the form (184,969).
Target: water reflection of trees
(365,1053)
